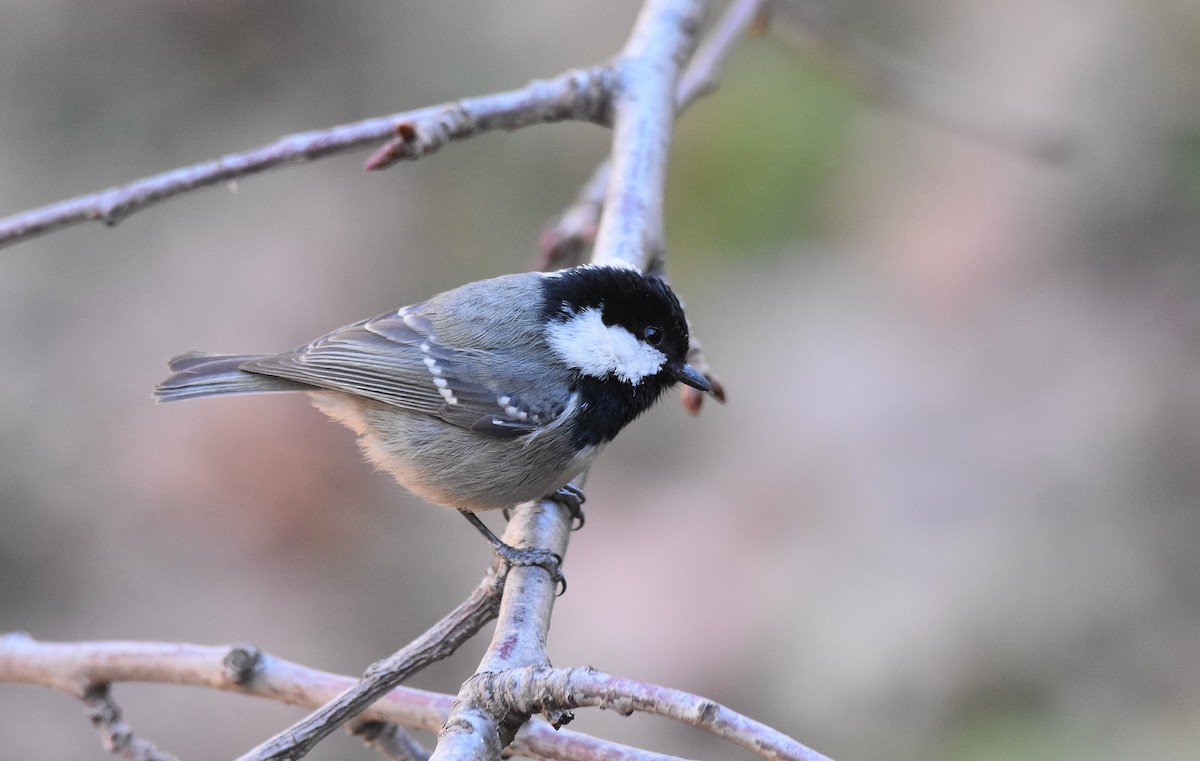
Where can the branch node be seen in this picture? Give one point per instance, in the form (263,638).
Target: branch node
(557,718)
(242,663)
(394,150)
(708,712)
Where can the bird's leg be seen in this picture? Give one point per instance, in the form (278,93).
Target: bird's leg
(572,499)
(544,558)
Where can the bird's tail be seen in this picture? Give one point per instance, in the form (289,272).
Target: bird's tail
(198,374)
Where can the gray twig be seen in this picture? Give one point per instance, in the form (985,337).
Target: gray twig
(580,95)
(115,735)
(437,643)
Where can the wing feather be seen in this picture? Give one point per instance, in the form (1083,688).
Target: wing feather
(396,359)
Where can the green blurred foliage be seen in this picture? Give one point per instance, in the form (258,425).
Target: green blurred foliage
(1015,731)
(1189,153)
(740,182)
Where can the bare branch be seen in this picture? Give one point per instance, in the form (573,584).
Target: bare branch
(74,667)
(540,689)
(701,76)
(565,241)
(580,95)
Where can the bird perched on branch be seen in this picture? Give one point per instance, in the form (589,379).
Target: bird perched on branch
(488,395)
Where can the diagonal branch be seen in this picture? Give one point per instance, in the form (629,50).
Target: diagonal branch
(578,95)
(434,645)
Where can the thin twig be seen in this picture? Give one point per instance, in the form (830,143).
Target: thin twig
(704,70)
(565,241)
(115,735)
(580,95)
(437,643)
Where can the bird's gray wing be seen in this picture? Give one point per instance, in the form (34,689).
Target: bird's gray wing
(396,359)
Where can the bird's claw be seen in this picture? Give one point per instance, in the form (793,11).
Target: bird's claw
(572,499)
(535,556)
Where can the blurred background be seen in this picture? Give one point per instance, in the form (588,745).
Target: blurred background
(942,253)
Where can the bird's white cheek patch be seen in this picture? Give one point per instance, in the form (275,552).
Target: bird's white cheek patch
(587,344)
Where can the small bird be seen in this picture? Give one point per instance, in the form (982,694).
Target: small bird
(488,395)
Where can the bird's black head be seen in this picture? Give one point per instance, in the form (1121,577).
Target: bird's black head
(625,335)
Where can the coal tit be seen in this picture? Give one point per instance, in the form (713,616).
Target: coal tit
(488,395)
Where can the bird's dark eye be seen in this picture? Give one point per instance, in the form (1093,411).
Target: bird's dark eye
(653,335)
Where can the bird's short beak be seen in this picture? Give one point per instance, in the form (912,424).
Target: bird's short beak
(685,373)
